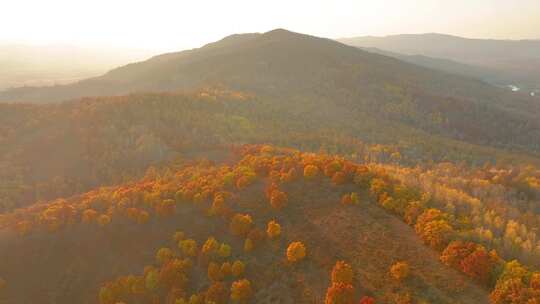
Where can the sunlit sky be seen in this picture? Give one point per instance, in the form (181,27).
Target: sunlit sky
(167,25)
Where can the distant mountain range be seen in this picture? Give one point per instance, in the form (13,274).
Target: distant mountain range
(500,62)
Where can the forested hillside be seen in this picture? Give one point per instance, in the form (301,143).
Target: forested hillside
(270,168)
(501,62)
(330,78)
(57,150)
(280,226)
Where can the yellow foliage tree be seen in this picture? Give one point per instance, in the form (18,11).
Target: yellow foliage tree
(241,224)
(164,255)
(248,245)
(354,198)
(238,268)
(196,299)
(273,230)
(188,247)
(400,271)
(224,250)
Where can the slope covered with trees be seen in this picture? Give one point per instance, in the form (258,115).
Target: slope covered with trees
(502,62)
(334,79)
(395,187)
(57,150)
(215,232)
(209,232)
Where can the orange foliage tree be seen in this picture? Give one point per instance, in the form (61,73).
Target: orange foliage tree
(278,199)
(210,248)
(241,291)
(89,216)
(311,172)
(350,198)
(340,293)
(342,273)
(214,272)
(341,290)
(331,168)
(339,178)
(217,293)
(238,268)
(296,252)
(226,269)
(434,228)
(478,265)
(367,300)
(470,258)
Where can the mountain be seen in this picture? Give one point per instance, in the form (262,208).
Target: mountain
(327,79)
(131,239)
(300,227)
(511,61)
(254,62)
(445,65)
(270,168)
(28,65)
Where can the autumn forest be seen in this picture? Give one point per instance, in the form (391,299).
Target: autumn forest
(270,168)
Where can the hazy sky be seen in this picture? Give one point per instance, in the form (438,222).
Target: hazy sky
(179,24)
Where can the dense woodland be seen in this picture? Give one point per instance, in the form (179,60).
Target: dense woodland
(57,150)
(494,244)
(364,180)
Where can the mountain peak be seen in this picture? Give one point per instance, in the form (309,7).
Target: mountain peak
(282,33)
(232,40)
(279,31)
(236,39)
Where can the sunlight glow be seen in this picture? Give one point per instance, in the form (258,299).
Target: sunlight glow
(179,24)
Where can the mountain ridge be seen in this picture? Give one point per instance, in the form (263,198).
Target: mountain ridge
(512,61)
(328,78)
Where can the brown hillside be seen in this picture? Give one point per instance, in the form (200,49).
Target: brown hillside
(70,265)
